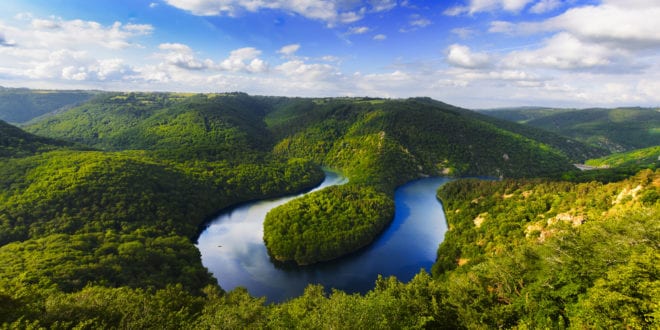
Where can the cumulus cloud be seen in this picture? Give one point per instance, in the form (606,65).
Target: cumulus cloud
(59,33)
(307,71)
(420,22)
(618,23)
(545,6)
(358,30)
(415,22)
(566,52)
(244,59)
(289,50)
(477,6)
(6,43)
(183,57)
(330,11)
(54,49)
(625,25)
(380,37)
(463,33)
(462,56)
(608,38)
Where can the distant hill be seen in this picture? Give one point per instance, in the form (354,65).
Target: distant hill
(431,137)
(645,156)
(15,142)
(378,144)
(179,125)
(396,140)
(20,105)
(617,130)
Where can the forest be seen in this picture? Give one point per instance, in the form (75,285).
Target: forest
(100,206)
(615,130)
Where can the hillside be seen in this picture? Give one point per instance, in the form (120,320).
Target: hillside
(20,105)
(176,125)
(645,156)
(378,144)
(104,238)
(548,254)
(421,137)
(617,130)
(15,142)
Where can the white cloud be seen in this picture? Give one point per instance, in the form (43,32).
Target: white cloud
(289,50)
(477,6)
(358,30)
(415,22)
(183,57)
(501,27)
(307,72)
(623,25)
(565,52)
(420,22)
(462,56)
(244,59)
(545,6)
(380,37)
(59,33)
(382,5)
(329,11)
(463,33)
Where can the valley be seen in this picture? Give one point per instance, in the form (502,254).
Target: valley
(106,199)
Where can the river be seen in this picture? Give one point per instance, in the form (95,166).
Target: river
(232,247)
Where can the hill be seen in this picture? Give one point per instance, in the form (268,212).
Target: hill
(378,144)
(645,156)
(175,125)
(15,142)
(552,254)
(617,130)
(20,105)
(104,238)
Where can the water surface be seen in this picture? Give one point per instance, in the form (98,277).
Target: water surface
(232,247)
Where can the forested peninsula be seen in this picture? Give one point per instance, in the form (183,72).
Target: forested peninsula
(100,205)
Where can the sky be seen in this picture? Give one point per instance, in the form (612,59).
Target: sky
(469,53)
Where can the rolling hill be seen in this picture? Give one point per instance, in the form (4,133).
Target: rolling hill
(377,143)
(104,238)
(15,142)
(20,105)
(617,130)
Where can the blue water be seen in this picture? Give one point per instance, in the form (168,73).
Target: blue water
(232,247)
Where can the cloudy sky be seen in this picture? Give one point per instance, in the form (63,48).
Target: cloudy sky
(470,53)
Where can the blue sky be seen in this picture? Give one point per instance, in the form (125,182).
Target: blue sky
(470,53)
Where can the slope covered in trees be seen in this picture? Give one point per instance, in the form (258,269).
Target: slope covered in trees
(214,126)
(549,254)
(644,156)
(104,239)
(19,105)
(617,130)
(378,144)
(545,255)
(15,142)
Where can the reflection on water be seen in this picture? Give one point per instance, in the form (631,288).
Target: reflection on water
(232,247)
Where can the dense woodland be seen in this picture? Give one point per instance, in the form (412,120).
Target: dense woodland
(616,130)
(100,209)
(19,105)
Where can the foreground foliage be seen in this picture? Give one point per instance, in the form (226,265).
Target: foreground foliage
(553,254)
